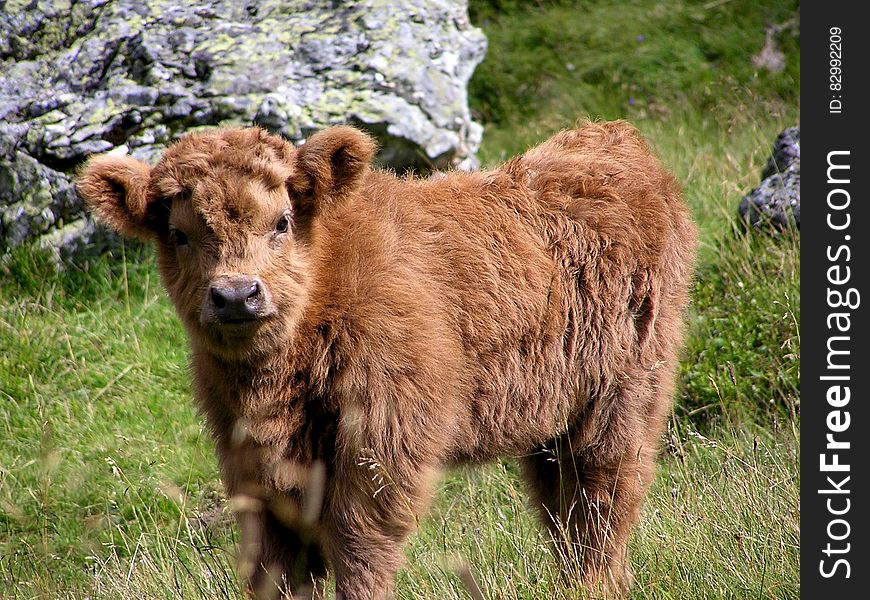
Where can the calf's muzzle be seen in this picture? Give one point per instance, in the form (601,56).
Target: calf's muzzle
(235,299)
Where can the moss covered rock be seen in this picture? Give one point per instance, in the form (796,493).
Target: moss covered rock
(83,77)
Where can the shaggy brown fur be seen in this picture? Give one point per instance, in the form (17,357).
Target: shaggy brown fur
(395,326)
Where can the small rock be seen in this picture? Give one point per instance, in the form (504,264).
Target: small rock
(777,199)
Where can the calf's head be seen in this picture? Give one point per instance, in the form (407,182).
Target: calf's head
(231,213)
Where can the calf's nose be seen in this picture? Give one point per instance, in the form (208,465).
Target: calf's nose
(236,299)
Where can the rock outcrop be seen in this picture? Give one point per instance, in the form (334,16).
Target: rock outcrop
(92,76)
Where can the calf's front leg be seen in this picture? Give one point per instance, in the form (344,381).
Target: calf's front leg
(370,513)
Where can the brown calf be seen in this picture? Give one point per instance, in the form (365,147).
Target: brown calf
(362,330)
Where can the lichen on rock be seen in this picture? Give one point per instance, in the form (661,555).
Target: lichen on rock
(78,78)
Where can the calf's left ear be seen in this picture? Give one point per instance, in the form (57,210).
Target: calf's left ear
(116,189)
(331,164)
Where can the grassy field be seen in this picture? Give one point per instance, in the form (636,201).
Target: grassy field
(108,485)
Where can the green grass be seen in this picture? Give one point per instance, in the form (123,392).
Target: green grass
(722,521)
(550,61)
(98,426)
(108,483)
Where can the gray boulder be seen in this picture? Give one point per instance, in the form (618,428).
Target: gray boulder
(777,199)
(131,75)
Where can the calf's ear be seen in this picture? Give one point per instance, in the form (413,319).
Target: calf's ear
(331,164)
(116,189)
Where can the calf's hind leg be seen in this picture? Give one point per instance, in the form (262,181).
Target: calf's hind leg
(589,501)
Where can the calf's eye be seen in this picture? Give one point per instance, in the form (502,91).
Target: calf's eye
(283,224)
(178,237)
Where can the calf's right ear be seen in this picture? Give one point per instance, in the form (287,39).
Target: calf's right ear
(116,189)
